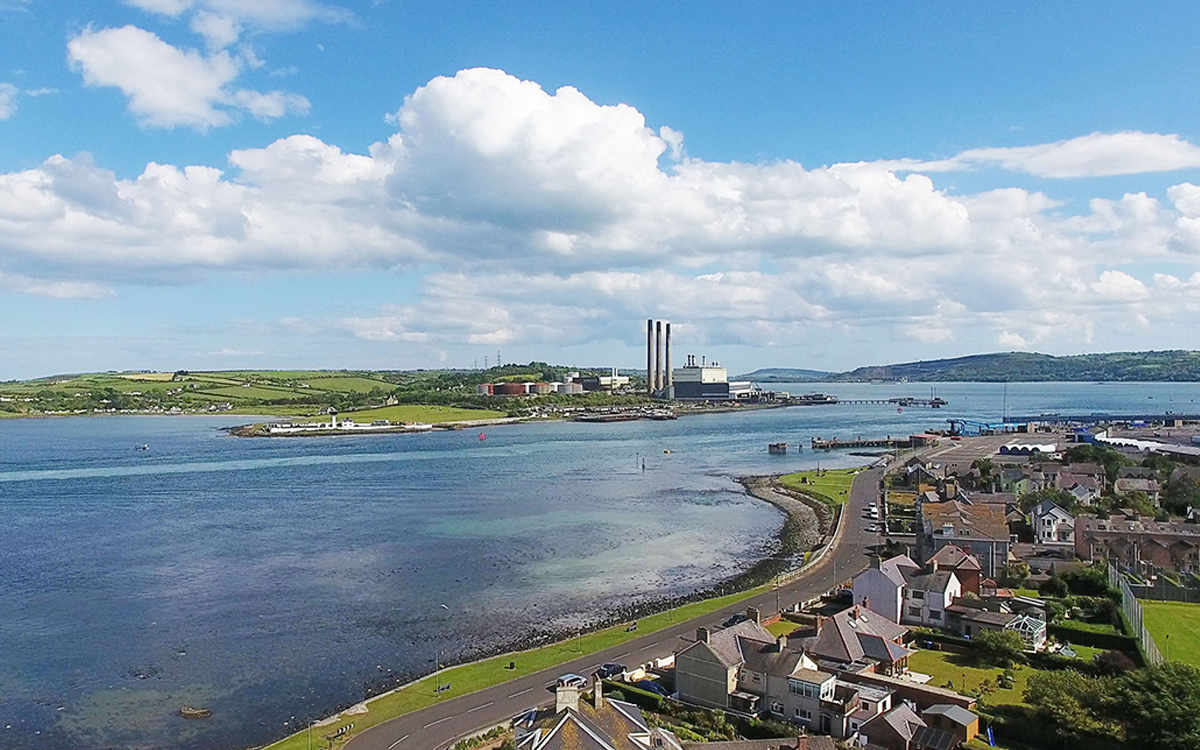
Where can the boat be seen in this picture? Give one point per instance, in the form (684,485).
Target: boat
(142,447)
(189,712)
(815,399)
(618,417)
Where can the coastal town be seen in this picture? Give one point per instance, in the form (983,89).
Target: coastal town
(976,591)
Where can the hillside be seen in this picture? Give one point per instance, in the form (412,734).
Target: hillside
(784,375)
(1027,366)
(267,392)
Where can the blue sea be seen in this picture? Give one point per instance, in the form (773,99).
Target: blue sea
(276,580)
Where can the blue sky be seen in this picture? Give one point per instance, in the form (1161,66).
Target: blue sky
(290,183)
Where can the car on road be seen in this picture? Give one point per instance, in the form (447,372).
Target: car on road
(650,686)
(572,680)
(611,669)
(734,620)
(874,528)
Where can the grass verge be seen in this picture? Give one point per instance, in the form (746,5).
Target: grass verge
(468,678)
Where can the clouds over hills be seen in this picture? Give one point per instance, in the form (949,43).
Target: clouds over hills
(541,216)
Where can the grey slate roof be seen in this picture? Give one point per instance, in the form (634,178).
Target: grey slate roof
(929,738)
(935,582)
(955,557)
(901,720)
(727,644)
(840,639)
(956,714)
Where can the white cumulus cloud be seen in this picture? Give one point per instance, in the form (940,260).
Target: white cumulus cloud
(169,87)
(8,100)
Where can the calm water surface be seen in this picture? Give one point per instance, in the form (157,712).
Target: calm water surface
(277,579)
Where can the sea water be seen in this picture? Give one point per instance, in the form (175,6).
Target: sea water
(275,580)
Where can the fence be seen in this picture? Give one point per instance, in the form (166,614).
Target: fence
(1132,609)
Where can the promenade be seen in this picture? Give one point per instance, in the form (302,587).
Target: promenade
(441,725)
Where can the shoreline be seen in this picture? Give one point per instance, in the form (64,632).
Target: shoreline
(801,524)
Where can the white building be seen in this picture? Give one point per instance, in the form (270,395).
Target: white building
(881,586)
(1051,524)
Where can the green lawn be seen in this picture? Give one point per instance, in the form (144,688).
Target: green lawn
(783,627)
(416,413)
(471,677)
(968,673)
(1179,621)
(905,499)
(831,485)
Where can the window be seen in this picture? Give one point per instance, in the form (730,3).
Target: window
(802,714)
(757,677)
(777,708)
(934,614)
(914,611)
(918,595)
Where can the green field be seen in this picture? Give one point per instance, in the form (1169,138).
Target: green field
(416,413)
(830,485)
(343,385)
(476,676)
(968,674)
(1175,627)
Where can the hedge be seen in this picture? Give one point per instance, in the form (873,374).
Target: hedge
(1108,641)
(635,695)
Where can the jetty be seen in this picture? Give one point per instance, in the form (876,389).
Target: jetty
(902,401)
(888,442)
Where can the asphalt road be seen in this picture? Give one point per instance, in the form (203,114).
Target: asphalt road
(439,726)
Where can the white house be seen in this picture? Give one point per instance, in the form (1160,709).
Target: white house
(881,586)
(1051,524)
(926,596)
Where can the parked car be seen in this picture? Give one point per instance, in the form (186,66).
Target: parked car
(611,669)
(572,680)
(734,620)
(650,686)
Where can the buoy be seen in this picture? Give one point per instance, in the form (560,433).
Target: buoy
(666,451)
(482,436)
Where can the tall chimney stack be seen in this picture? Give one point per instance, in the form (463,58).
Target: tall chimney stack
(649,357)
(658,333)
(667,355)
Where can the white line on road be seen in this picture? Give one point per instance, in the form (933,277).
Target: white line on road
(485,705)
(523,692)
(439,721)
(622,656)
(397,742)
(652,645)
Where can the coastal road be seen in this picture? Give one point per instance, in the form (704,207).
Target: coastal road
(439,726)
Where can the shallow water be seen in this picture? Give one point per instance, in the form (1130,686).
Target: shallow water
(273,580)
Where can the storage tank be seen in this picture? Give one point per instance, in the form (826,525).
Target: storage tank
(485,389)
(509,389)
(542,388)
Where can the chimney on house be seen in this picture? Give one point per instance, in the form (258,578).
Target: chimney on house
(566,697)
(702,635)
(753,613)
(598,693)
(866,602)
(781,643)
(876,561)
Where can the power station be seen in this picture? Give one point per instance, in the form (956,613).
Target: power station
(695,381)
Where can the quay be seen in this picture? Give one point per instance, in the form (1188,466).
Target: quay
(888,442)
(932,403)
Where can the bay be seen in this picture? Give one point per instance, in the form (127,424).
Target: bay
(274,580)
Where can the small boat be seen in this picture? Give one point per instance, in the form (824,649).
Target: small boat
(188,712)
(142,447)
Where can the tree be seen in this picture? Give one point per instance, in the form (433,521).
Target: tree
(1054,586)
(1113,663)
(1016,571)
(1160,706)
(1089,581)
(1072,703)
(1061,498)
(1003,646)
(1181,494)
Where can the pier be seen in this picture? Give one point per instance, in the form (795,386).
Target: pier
(931,403)
(888,442)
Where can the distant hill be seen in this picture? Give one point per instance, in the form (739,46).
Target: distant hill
(1017,366)
(785,375)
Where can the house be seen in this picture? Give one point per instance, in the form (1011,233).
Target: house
(806,742)
(598,724)
(963,564)
(1051,524)
(744,669)
(954,720)
(1139,543)
(857,640)
(981,530)
(926,596)
(882,585)
(1015,480)
(1138,484)
(893,730)
(970,618)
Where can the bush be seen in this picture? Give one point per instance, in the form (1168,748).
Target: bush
(638,697)
(1003,646)
(1054,586)
(1074,633)
(1113,663)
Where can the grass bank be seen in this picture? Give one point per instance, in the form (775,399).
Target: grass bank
(830,486)
(468,678)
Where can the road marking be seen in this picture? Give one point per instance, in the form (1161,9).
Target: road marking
(439,721)
(397,742)
(485,705)
(652,645)
(523,692)
(622,656)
